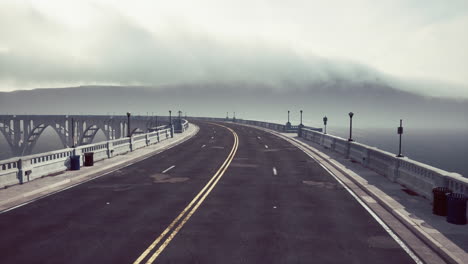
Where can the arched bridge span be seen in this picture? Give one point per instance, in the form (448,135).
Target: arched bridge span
(22,131)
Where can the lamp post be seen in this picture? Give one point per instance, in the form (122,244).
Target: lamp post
(73,132)
(234,117)
(170,117)
(299,127)
(227,116)
(128,124)
(400,132)
(301,118)
(325,119)
(180,114)
(351,114)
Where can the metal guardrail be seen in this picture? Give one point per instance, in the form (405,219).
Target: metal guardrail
(23,169)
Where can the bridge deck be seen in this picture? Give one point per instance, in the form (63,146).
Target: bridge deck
(273,204)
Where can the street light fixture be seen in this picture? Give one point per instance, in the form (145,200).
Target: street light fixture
(351,114)
(73,132)
(400,132)
(128,124)
(325,119)
(301,118)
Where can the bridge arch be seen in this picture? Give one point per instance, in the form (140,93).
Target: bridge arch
(48,135)
(137,131)
(90,132)
(5,129)
(5,147)
(37,131)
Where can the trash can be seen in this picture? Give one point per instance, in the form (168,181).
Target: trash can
(456,208)
(89,159)
(74,162)
(439,203)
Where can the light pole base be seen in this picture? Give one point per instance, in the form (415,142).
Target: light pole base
(399,156)
(350,139)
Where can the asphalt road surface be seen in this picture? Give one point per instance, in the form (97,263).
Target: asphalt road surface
(231,194)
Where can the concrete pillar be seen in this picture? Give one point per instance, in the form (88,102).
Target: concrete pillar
(110,149)
(348,149)
(19,165)
(17,132)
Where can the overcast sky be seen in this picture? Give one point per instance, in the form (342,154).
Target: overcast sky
(62,43)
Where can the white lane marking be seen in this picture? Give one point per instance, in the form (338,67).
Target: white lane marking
(368,209)
(168,169)
(266,146)
(203,146)
(355,196)
(212,137)
(275,172)
(259,137)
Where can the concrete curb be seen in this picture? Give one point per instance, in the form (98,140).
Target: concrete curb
(8,204)
(401,214)
(397,210)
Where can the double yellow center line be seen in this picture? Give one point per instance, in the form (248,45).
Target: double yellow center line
(171,231)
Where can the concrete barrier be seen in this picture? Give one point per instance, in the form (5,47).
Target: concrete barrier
(23,169)
(417,176)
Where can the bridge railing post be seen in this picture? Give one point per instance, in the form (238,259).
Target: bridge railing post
(131,143)
(396,170)
(19,165)
(147,139)
(110,149)
(348,149)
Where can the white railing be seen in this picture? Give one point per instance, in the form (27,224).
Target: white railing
(23,169)
(415,175)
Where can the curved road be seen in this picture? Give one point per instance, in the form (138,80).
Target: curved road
(231,194)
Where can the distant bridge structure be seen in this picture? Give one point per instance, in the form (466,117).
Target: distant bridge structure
(23,131)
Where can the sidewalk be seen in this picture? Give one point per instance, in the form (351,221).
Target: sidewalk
(19,194)
(413,210)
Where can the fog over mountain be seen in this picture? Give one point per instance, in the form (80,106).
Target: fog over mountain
(382,60)
(375,105)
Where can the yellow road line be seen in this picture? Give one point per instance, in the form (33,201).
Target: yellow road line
(210,185)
